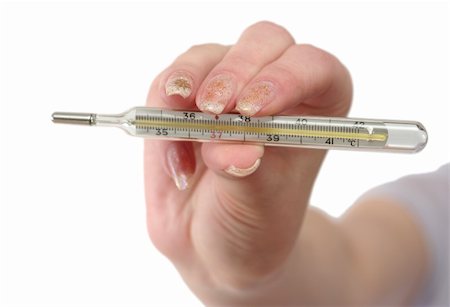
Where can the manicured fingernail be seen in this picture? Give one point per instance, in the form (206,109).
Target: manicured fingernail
(178,164)
(216,94)
(242,172)
(255,98)
(179,83)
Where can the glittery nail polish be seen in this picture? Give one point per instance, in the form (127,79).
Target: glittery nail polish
(255,98)
(217,93)
(179,83)
(178,162)
(242,172)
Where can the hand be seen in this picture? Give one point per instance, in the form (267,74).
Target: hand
(238,209)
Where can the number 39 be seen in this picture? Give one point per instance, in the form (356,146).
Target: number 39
(273,138)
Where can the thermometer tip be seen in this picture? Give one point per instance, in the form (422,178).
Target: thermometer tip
(74,118)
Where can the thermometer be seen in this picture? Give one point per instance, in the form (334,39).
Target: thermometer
(293,131)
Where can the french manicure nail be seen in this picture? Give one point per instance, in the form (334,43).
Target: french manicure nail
(217,93)
(242,172)
(176,162)
(179,83)
(255,98)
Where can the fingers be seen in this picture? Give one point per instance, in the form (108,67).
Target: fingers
(179,83)
(303,76)
(258,76)
(263,74)
(176,88)
(221,72)
(259,45)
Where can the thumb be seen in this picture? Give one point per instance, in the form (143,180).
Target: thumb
(240,172)
(253,175)
(260,195)
(232,160)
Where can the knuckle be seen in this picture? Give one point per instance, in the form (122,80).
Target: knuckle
(310,62)
(270,29)
(209,47)
(329,64)
(265,24)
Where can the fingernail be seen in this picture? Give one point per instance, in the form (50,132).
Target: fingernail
(179,83)
(178,164)
(242,172)
(216,94)
(255,98)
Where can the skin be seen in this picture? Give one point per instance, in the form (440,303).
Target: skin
(253,240)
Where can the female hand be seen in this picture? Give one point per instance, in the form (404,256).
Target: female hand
(234,215)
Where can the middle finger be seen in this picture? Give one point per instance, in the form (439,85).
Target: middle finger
(259,45)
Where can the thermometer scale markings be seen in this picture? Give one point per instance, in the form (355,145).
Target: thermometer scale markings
(317,131)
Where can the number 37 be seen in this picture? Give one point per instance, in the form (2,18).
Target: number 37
(216,134)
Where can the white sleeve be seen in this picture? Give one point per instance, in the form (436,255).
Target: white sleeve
(426,196)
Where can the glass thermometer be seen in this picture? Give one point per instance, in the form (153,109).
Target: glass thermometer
(292,131)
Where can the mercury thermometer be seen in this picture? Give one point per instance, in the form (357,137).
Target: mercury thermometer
(292,131)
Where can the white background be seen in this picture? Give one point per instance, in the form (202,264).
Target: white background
(72,198)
